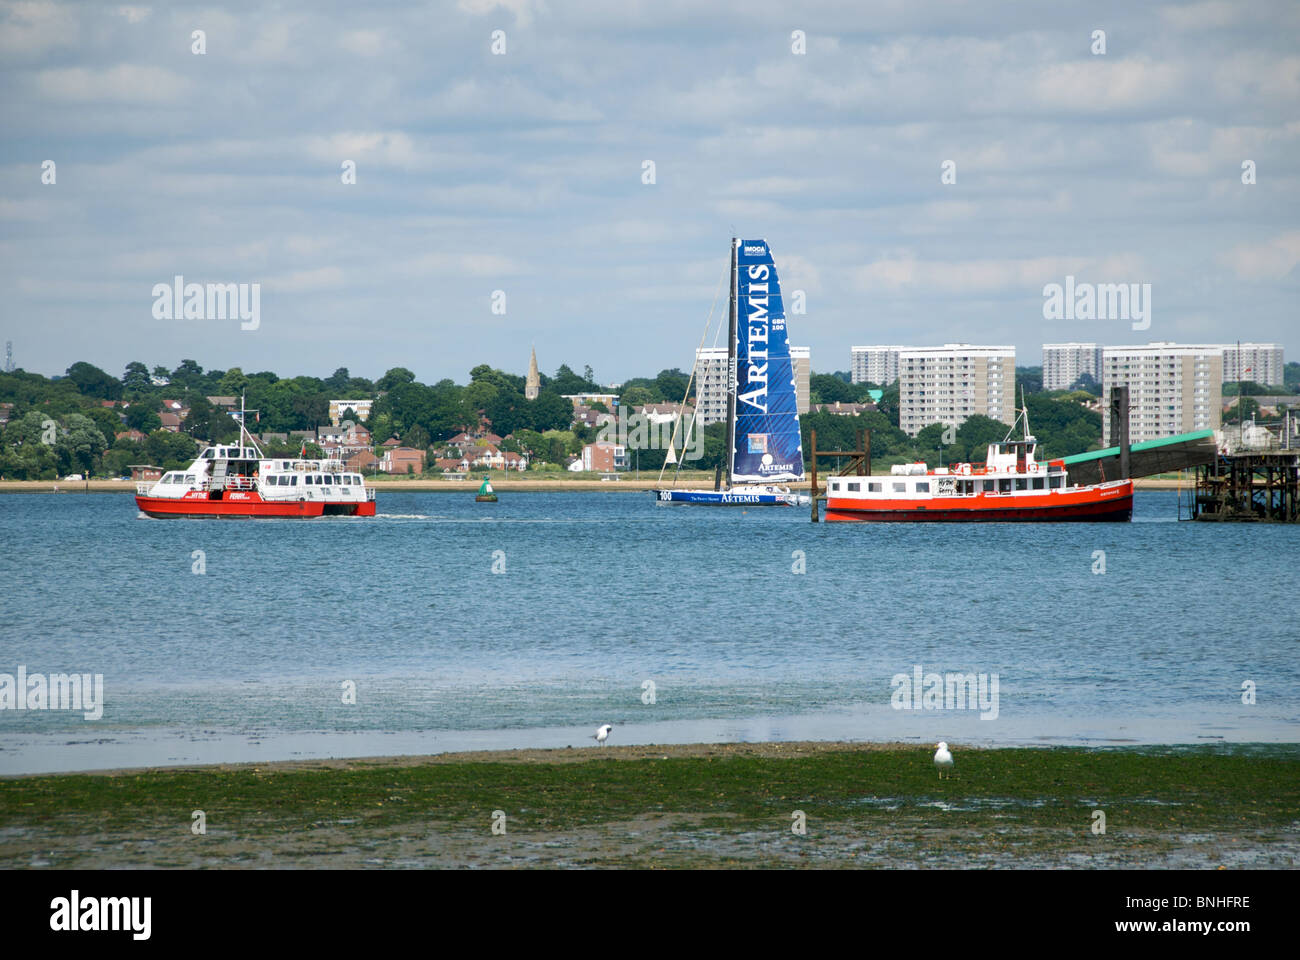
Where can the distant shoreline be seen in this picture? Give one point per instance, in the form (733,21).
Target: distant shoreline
(468,485)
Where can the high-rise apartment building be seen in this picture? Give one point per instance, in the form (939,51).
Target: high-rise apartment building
(878,365)
(1173,388)
(1065,363)
(951,383)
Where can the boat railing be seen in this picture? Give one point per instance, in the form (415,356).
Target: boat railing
(142,487)
(239,482)
(370,493)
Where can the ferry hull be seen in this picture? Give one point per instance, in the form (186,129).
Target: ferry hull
(250,506)
(1083,506)
(721,498)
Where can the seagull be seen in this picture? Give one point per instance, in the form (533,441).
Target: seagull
(943,760)
(602,733)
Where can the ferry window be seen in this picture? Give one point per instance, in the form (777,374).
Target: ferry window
(835,484)
(855,487)
(873,487)
(328,479)
(1004,485)
(1022,483)
(1056,481)
(207,454)
(293,481)
(189,478)
(1038,483)
(923,487)
(900,488)
(988,486)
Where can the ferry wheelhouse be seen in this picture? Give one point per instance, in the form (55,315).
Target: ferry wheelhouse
(1011,485)
(238,480)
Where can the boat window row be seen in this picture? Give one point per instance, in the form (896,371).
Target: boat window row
(229,453)
(177,478)
(341,479)
(968,487)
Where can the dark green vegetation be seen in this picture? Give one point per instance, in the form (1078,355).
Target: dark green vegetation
(1009,802)
(85,435)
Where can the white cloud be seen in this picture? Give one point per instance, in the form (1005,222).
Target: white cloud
(1271,260)
(31,29)
(125,83)
(134,14)
(523,10)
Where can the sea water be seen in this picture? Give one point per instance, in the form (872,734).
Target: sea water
(443,624)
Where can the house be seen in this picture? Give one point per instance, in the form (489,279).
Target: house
(170,421)
(392,443)
(398,459)
(275,438)
(452,465)
(588,417)
(488,457)
(145,471)
(6,410)
(363,460)
(135,436)
(489,439)
(604,457)
(513,461)
(228,404)
(665,412)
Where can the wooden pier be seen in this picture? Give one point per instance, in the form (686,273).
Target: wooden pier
(859,465)
(1253,486)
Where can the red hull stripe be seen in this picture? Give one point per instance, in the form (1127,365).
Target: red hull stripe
(186,507)
(1113,508)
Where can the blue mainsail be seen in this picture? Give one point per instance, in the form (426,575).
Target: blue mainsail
(766,444)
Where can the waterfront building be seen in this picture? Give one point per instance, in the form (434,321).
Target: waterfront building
(875,364)
(1065,363)
(1173,388)
(951,383)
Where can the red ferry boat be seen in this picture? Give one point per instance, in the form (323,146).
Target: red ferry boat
(1011,485)
(238,480)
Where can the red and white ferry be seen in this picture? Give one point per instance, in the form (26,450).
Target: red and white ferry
(1011,485)
(238,480)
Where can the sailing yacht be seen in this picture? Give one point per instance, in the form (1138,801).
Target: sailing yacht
(764,449)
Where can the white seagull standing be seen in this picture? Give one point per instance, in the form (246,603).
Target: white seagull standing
(943,760)
(602,733)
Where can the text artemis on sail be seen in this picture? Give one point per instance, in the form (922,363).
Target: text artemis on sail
(757,315)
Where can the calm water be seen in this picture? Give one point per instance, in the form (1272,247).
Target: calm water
(602,592)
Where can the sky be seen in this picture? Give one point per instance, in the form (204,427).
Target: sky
(523,170)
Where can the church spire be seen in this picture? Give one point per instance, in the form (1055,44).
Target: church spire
(534,383)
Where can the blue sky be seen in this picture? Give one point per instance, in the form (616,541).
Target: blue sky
(522,172)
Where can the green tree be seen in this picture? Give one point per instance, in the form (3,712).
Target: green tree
(94,382)
(80,444)
(395,376)
(141,416)
(136,377)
